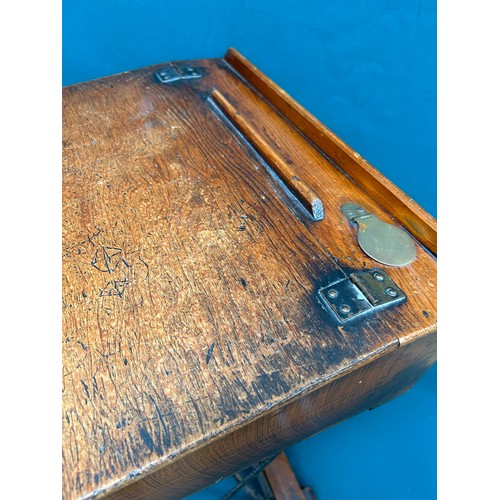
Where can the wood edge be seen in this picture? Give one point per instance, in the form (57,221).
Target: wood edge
(409,213)
(425,332)
(384,356)
(114,488)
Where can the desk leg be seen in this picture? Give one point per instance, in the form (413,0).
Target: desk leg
(283,482)
(271,479)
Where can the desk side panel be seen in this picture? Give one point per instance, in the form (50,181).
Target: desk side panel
(364,388)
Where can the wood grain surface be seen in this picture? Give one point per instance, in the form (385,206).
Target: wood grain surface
(190,275)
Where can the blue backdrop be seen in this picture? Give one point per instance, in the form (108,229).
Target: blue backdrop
(367,70)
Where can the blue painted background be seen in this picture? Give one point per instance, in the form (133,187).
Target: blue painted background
(367,70)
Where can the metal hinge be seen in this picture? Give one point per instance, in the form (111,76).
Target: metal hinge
(172,74)
(360,293)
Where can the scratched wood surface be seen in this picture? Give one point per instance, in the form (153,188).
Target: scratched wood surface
(190,279)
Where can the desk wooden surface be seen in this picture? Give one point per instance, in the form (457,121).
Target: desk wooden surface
(194,342)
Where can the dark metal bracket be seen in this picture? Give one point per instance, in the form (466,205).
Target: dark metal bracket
(360,293)
(172,74)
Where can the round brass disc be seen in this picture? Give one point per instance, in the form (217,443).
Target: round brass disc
(385,243)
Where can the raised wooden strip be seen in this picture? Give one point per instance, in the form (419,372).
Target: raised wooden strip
(413,217)
(310,201)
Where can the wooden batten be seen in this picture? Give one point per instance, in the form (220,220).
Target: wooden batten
(411,215)
(304,194)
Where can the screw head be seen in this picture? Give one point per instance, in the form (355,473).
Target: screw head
(391,292)
(332,293)
(345,309)
(378,276)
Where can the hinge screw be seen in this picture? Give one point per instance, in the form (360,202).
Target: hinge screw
(391,292)
(332,293)
(378,276)
(345,309)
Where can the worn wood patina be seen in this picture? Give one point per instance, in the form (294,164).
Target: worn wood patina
(194,341)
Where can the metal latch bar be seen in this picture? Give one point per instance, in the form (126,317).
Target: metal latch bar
(361,292)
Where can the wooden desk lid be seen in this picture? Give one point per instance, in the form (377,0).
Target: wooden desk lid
(191,275)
